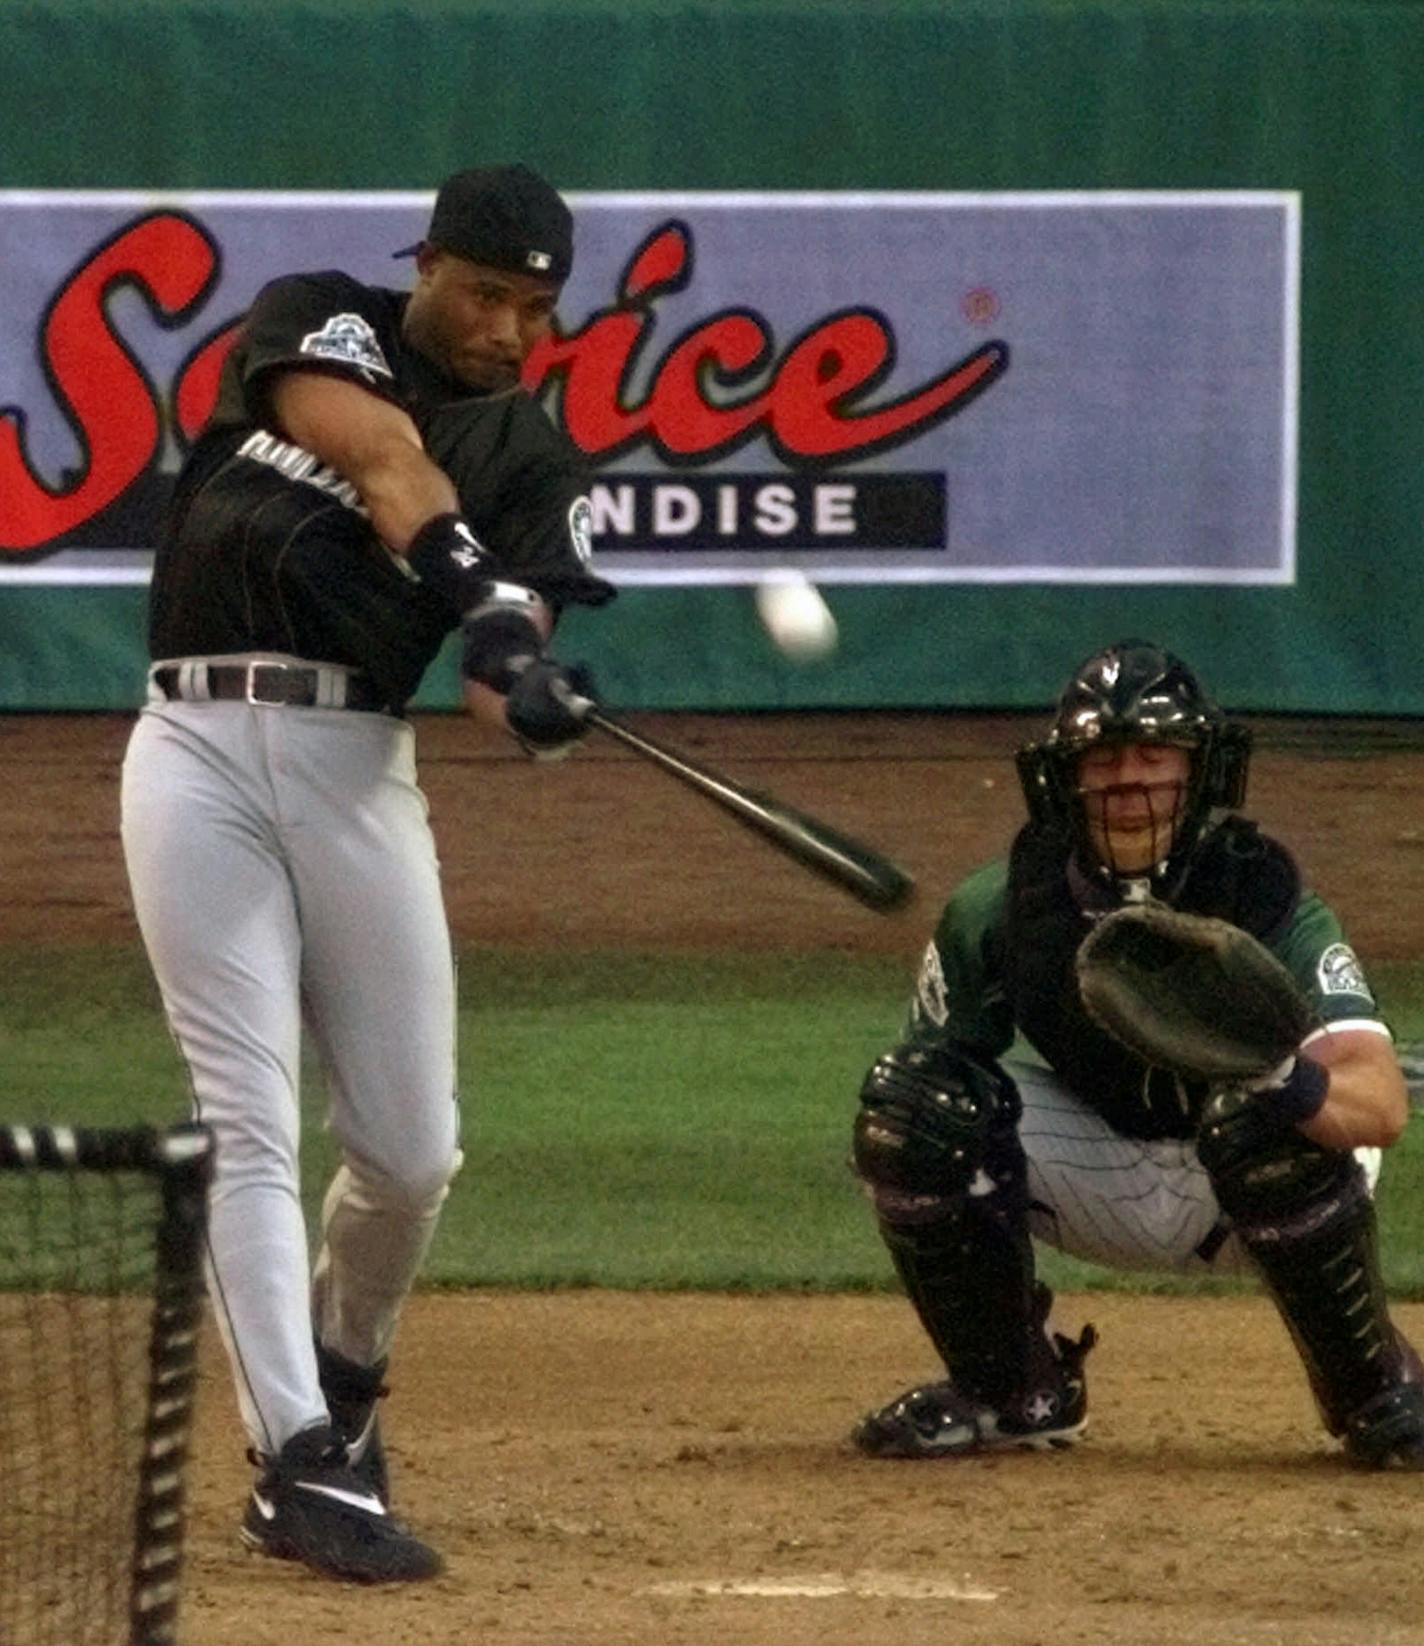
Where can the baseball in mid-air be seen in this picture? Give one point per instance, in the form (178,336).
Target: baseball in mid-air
(795,616)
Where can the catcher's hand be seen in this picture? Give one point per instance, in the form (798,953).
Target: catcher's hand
(1197,996)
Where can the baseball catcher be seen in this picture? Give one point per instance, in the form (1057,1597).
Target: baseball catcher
(1140,1039)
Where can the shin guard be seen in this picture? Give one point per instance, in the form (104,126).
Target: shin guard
(1305,1216)
(937,1145)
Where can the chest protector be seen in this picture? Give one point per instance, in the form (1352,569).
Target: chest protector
(1237,874)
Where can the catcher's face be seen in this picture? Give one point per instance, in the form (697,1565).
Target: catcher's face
(1132,796)
(477,323)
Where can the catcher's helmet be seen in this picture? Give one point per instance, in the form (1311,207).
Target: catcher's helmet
(1136,692)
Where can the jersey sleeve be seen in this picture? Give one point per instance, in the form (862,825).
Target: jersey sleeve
(1314,950)
(960,994)
(531,509)
(315,322)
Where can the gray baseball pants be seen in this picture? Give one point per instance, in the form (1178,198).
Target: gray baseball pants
(283,872)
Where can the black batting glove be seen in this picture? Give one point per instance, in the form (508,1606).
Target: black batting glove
(548,706)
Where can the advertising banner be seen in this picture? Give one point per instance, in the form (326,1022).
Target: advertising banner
(877,388)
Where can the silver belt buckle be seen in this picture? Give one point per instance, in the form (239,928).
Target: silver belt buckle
(252,692)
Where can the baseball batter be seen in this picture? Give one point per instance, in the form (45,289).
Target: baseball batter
(372,478)
(1009,1113)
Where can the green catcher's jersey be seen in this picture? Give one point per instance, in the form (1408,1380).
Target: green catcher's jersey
(962,994)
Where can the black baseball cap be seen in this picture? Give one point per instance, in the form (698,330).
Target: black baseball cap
(506,216)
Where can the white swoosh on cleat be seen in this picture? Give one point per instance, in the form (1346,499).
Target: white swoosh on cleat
(264,1508)
(356,1449)
(357,1500)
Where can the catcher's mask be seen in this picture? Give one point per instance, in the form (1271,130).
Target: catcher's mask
(1135,692)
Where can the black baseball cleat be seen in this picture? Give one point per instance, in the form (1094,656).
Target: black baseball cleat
(308,1505)
(1385,1431)
(938,1420)
(353,1395)
(1388,1431)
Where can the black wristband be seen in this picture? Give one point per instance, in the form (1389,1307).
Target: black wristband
(448,556)
(1299,1097)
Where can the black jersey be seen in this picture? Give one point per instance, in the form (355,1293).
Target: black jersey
(266,549)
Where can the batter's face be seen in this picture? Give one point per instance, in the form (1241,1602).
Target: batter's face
(475,322)
(1132,795)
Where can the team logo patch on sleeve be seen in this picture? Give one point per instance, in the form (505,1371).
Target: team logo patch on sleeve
(350,339)
(930,991)
(1340,972)
(581,529)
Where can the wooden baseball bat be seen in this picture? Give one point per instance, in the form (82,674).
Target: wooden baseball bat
(856,868)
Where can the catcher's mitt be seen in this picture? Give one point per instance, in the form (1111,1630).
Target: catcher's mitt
(1194,995)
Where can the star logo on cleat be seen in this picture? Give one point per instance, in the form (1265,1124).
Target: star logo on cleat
(1041,1408)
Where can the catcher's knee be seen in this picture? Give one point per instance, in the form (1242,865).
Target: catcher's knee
(1262,1173)
(930,1120)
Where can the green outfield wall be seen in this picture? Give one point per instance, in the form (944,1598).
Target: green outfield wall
(1319,101)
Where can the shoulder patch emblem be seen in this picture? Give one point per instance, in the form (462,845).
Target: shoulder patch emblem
(930,992)
(349,338)
(1339,972)
(581,529)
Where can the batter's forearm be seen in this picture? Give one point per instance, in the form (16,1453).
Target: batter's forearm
(403,490)
(371,442)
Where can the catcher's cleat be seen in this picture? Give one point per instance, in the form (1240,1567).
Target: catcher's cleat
(1387,1432)
(353,1395)
(938,1420)
(307,1505)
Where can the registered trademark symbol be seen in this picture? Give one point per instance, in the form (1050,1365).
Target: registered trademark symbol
(979,305)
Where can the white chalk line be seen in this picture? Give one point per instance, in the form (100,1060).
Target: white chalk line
(826,1585)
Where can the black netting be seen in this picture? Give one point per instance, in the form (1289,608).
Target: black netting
(84,1254)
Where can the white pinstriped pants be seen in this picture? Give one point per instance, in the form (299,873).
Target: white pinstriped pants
(1117,1201)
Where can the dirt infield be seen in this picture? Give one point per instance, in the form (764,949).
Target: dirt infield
(605,1468)
(602,850)
(673,1471)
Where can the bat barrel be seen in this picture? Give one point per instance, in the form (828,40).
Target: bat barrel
(865,873)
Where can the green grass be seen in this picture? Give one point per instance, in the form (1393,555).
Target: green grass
(1401,989)
(640,1121)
